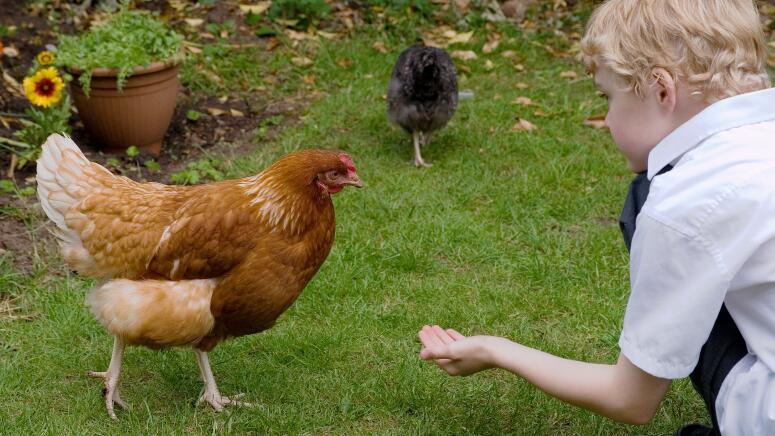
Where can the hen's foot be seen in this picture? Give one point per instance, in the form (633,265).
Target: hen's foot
(110,391)
(418,162)
(218,401)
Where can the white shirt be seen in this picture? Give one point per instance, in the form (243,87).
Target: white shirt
(706,236)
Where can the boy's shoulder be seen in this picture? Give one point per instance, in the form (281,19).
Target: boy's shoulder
(729,173)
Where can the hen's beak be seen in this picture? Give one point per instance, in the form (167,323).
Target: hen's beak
(354,181)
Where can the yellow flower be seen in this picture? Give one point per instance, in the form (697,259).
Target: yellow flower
(45,57)
(44,88)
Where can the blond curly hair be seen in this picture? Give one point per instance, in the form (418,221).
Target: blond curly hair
(716,46)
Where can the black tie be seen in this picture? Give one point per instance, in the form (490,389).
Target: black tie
(639,190)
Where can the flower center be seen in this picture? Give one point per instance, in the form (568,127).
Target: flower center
(45,87)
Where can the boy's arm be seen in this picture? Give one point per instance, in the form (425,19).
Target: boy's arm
(622,392)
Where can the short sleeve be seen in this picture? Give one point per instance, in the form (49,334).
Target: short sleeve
(678,283)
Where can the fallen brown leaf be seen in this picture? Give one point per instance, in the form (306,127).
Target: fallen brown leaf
(464,55)
(214,111)
(272,43)
(236,113)
(298,36)
(380,47)
(10,51)
(490,46)
(430,42)
(522,85)
(328,35)
(569,74)
(524,101)
(523,125)
(519,67)
(255,9)
(515,9)
(308,79)
(488,65)
(344,62)
(286,23)
(194,50)
(12,85)
(212,76)
(178,5)
(460,38)
(596,122)
(194,22)
(301,61)
(462,4)
(508,54)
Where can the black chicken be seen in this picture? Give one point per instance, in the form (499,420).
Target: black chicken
(422,94)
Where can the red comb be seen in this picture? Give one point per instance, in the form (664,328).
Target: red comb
(347,161)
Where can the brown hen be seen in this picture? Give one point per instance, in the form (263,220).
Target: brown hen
(191,265)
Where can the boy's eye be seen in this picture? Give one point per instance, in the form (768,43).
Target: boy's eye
(602,95)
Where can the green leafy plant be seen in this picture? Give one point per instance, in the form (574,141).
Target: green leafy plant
(41,123)
(128,39)
(307,12)
(193,115)
(9,187)
(152,165)
(206,169)
(424,7)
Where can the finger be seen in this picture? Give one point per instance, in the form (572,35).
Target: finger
(435,352)
(454,334)
(429,337)
(442,335)
(450,368)
(425,339)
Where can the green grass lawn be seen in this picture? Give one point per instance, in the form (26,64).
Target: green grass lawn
(510,233)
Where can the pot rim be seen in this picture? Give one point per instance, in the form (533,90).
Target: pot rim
(136,71)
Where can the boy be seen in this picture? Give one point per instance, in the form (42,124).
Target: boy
(689,104)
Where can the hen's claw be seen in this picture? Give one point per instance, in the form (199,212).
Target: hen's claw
(110,392)
(218,401)
(421,163)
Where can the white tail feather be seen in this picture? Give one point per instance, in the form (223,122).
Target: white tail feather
(60,167)
(64,178)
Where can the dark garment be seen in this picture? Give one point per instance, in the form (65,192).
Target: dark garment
(725,345)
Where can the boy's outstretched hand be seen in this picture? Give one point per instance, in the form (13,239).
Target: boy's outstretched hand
(455,353)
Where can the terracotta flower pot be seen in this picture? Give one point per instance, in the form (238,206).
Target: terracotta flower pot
(137,115)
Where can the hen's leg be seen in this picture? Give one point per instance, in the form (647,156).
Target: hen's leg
(425,139)
(416,139)
(211,393)
(110,390)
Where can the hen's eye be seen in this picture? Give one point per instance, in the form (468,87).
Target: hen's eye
(333,174)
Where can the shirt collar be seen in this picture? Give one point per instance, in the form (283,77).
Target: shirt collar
(739,110)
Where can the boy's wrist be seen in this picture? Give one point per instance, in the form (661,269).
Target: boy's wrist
(495,348)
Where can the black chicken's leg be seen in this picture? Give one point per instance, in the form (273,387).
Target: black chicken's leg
(417,140)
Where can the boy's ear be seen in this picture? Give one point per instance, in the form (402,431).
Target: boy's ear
(665,89)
